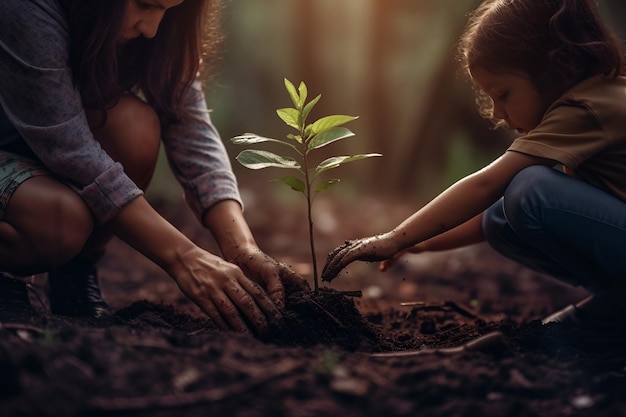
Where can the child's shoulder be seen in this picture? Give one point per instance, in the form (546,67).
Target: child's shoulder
(597,93)
(598,85)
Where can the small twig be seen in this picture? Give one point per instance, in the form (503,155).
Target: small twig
(196,332)
(450,330)
(412,303)
(78,364)
(446,306)
(354,293)
(330,316)
(20,326)
(462,311)
(31,290)
(408,353)
(493,342)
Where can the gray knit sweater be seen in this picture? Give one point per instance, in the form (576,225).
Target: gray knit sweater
(40,105)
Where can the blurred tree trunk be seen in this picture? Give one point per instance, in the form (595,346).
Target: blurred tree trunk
(380,107)
(449,110)
(412,155)
(305,44)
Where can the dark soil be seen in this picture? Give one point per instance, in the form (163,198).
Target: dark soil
(333,354)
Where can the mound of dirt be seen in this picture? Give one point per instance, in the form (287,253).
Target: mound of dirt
(401,349)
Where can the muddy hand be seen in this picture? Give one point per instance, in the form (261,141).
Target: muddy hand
(224,293)
(241,305)
(273,275)
(370,249)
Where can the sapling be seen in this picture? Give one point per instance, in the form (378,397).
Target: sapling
(308,137)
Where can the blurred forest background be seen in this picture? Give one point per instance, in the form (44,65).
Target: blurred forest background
(390,62)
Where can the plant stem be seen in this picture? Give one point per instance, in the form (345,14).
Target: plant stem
(313,257)
(310,217)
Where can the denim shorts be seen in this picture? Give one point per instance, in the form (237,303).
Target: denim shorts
(14,170)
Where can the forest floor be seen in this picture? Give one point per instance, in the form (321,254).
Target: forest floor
(162,357)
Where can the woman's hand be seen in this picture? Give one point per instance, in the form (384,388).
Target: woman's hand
(223,292)
(271,274)
(369,249)
(219,288)
(225,220)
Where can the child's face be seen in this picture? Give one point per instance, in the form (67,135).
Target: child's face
(516,99)
(143,17)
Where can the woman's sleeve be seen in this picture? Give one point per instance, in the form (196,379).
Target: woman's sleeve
(38,95)
(198,157)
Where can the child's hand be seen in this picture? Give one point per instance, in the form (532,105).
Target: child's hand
(388,263)
(369,249)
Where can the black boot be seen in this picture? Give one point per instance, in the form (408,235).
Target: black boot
(74,291)
(14,303)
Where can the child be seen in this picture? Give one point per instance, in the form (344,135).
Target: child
(88,89)
(551,71)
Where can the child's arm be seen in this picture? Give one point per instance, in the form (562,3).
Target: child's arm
(465,234)
(462,201)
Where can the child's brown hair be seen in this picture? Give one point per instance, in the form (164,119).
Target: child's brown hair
(557,43)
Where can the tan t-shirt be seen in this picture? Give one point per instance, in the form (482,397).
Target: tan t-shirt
(585,130)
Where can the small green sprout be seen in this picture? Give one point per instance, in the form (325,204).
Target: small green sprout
(308,137)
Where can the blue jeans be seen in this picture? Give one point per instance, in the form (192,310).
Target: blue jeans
(562,226)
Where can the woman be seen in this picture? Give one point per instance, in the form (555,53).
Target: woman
(88,89)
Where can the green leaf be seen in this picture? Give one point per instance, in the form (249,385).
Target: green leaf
(307,132)
(328,136)
(290,116)
(307,109)
(296,184)
(256,159)
(303,94)
(297,138)
(325,185)
(291,89)
(251,139)
(336,161)
(329,122)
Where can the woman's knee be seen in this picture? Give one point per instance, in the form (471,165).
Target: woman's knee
(131,135)
(75,225)
(51,219)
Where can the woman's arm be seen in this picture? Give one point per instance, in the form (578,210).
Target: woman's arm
(461,202)
(226,222)
(218,287)
(198,157)
(201,165)
(42,102)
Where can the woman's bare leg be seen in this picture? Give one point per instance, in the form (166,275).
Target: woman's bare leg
(48,227)
(46,224)
(131,136)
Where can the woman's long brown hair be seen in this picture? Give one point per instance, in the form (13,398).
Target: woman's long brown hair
(162,68)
